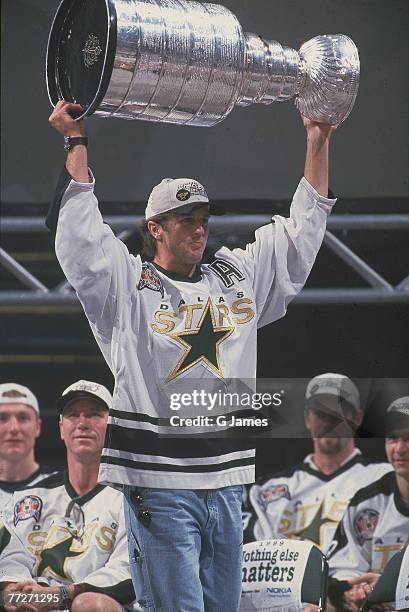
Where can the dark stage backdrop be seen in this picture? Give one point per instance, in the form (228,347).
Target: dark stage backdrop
(256,152)
(255,155)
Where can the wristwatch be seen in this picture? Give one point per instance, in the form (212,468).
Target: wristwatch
(65,598)
(71,141)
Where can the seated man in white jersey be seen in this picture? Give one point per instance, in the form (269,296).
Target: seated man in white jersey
(20,426)
(376,523)
(64,540)
(308,500)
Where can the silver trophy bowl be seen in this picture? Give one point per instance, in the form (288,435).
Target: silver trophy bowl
(189,63)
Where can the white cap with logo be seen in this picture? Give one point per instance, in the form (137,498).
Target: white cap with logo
(397,416)
(23,395)
(399,406)
(334,384)
(84,388)
(179,195)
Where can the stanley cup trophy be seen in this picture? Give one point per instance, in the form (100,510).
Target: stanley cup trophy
(189,63)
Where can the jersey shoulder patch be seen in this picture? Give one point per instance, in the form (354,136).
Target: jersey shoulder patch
(150,279)
(272,493)
(365,524)
(28,507)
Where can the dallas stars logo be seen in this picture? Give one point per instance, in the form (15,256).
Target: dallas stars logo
(55,557)
(201,345)
(313,531)
(317,529)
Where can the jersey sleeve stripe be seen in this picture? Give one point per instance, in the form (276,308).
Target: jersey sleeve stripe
(214,467)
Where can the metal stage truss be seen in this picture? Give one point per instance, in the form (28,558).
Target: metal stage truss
(230,230)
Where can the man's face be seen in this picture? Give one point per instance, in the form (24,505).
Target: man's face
(331,423)
(184,237)
(19,429)
(397,451)
(83,427)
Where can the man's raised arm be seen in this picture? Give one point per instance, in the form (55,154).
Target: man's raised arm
(316,169)
(77,159)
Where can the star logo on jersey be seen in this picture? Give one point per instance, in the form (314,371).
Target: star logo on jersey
(201,345)
(54,558)
(313,530)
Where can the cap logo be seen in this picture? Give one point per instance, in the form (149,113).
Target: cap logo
(183,195)
(91,51)
(91,388)
(194,188)
(325,383)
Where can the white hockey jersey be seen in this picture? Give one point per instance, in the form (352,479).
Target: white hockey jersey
(156,328)
(8,487)
(374,528)
(36,541)
(304,503)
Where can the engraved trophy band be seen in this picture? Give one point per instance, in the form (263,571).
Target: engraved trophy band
(189,63)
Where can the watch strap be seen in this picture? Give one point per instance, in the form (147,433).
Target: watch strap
(65,598)
(71,141)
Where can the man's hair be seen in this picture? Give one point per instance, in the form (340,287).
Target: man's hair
(148,241)
(13,393)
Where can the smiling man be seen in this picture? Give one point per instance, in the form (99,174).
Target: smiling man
(376,523)
(64,538)
(20,426)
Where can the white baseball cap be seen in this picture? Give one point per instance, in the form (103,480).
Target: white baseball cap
(84,388)
(334,384)
(397,414)
(179,195)
(26,396)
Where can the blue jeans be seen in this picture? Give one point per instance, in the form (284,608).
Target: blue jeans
(188,558)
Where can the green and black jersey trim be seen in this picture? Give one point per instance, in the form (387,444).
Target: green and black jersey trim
(61,479)
(50,482)
(184,469)
(15,485)
(304,467)
(387,486)
(5,538)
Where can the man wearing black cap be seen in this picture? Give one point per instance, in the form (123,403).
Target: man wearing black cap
(67,532)
(376,523)
(177,320)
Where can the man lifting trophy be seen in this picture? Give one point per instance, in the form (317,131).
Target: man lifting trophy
(174,315)
(190,63)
